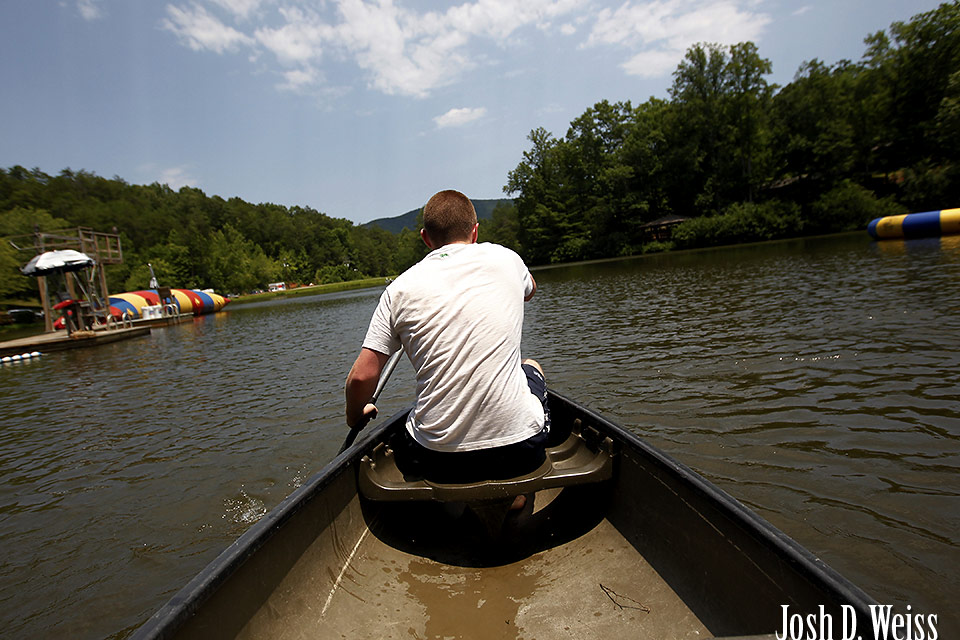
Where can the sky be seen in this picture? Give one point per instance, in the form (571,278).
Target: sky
(360,109)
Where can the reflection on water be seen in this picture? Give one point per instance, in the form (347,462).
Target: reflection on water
(815,380)
(126,468)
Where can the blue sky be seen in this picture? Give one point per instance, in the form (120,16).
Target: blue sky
(360,109)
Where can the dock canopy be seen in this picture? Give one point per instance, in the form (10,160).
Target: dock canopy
(59,261)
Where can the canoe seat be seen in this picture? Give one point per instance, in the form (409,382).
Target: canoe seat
(584,457)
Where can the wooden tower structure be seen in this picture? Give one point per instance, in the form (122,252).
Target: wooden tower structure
(104,248)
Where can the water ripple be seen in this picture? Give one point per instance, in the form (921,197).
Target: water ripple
(815,380)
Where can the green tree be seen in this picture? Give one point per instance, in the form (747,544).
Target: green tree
(17,224)
(503,227)
(294,266)
(235,264)
(548,231)
(698,130)
(598,181)
(849,206)
(410,247)
(813,130)
(926,54)
(718,130)
(749,97)
(742,222)
(948,115)
(645,153)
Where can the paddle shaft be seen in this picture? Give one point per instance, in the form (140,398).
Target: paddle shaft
(384,376)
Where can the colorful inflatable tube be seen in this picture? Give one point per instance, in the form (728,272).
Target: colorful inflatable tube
(187,301)
(916,225)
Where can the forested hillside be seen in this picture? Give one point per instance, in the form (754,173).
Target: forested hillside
(747,160)
(743,159)
(191,239)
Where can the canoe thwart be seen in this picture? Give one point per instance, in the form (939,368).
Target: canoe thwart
(584,457)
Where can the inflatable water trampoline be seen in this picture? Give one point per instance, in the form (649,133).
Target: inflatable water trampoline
(928,224)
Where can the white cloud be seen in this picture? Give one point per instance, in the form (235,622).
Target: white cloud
(409,52)
(404,53)
(299,79)
(496,18)
(721,22)
(401,51)
(663,30)
(802,10)
(90,9)
(177,177)
(412,54)
(459,117)
(299,41)
(653,64)
(240,8)
(199,30)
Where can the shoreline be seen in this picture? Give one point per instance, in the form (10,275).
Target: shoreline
(18,331)
(316,289)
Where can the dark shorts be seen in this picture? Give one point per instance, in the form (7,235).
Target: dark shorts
(497,463)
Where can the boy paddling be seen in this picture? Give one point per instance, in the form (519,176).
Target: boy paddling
(481,410)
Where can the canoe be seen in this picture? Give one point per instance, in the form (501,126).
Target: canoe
(619,540)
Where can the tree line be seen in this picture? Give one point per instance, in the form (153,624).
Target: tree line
(746,160)
(740,158)
(192,240)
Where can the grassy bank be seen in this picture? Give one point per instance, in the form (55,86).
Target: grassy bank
(312,290)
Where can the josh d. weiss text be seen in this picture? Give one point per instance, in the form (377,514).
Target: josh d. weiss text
(887,625)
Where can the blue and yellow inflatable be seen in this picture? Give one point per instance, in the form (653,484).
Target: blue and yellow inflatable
(916,225)
(187,300)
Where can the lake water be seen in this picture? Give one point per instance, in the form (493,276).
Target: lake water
(815,380)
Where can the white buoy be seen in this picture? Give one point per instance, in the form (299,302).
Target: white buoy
(20,357)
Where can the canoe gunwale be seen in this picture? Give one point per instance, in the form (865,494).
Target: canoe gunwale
(181,607)
(799,557)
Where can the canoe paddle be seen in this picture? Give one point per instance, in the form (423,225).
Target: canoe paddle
(384,376)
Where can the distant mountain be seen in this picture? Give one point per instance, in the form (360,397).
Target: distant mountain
(409,219)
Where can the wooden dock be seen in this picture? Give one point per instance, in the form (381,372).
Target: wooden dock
(60,341)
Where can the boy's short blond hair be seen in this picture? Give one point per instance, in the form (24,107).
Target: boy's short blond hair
(448,217)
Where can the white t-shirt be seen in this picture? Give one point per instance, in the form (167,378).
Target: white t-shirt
(458,314)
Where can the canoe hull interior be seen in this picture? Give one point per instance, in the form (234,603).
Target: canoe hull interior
(655,552)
